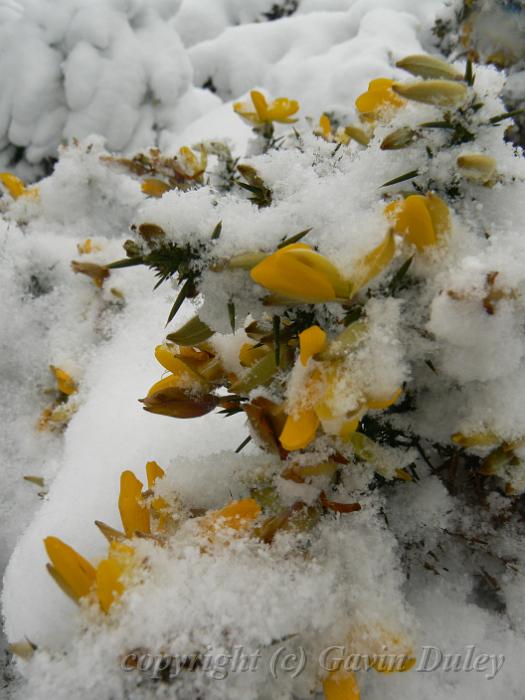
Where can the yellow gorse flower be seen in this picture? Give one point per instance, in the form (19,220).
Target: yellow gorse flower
(98,273)
(182,374)
(261,112)
(299,430)
(133,512)
(154,187)
(325,128)
(17,188)
(378,99)
(190,165)
(185,392)
(343,135)
(298,272)
(87,246)
(78,578)
(341,685)
(60,411)
(77,573)
(108,581)
(421,220)
(311,341)
(321,391)
(186,166)
(65,382)
(236,515)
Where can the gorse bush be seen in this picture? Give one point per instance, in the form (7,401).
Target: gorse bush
(357,293)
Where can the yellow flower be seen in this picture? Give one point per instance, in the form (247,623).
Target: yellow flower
(373,263)
(421,220)
(182,375)
(16,187)
(65,382)
(300,430)
(98,273)
(58,414)
(322,388)
(77,577)
(379,403)
(311,341)
(74,573)
(236,515)
(185,392)
(378,99)
(301,426)
(133,513)
(154,187)
(154,472)
(299,273)
(341,685)
(325,128)
(87,247)
(280,110)
(343,135)
(189,165)
(109,586)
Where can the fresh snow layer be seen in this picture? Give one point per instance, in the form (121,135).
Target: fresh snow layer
(133,73)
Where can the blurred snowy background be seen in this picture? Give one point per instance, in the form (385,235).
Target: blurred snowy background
(139,72)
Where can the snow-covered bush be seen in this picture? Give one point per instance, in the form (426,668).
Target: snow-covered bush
(490,31)
(351,291)
(74,68)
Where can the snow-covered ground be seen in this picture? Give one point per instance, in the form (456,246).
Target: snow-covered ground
(420,564)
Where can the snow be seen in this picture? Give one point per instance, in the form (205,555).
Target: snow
(427,560)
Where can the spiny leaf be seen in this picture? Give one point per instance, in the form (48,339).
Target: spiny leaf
(469,73)
(109,532)
(216,231)
(37,480)
(399,276)
(126,262)
(183,293)
(243,444)
(294,239)
(430,365)
(231,314)
(437,125)
(506,115)
(277,338)
(401,178)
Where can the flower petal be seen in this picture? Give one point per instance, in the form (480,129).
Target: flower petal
(311,341)
(341,685)
(298,432)
(134,515)
(76,572)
